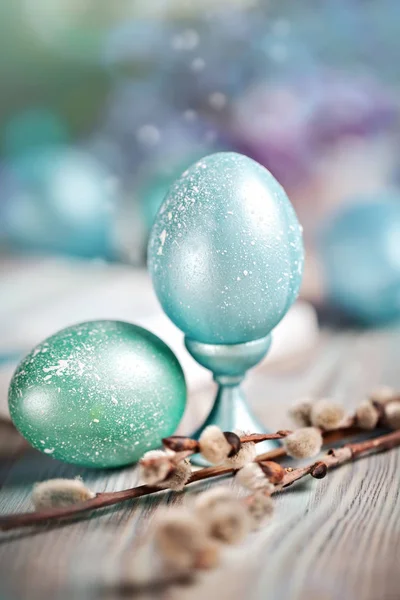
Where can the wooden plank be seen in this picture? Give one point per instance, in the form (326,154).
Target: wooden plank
(338,538)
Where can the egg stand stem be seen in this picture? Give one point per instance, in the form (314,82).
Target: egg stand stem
(229,364)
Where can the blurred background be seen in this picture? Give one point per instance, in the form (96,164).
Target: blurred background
(104,104)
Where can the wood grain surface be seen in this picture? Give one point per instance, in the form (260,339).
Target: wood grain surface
(334,539)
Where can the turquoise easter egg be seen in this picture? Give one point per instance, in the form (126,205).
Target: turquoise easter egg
(98,394)
(225,251)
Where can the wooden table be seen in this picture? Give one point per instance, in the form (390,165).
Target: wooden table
(334,539)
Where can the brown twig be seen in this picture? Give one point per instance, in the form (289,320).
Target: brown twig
(102,500)
(180,443)
(339,456)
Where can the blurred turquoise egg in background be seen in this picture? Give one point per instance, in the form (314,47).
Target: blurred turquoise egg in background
(60,200)
(225,252)
(360,251)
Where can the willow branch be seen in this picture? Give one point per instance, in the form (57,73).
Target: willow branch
(181,443)
(104,499)
(338,456)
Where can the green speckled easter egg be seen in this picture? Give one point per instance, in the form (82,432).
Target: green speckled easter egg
(98,394)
